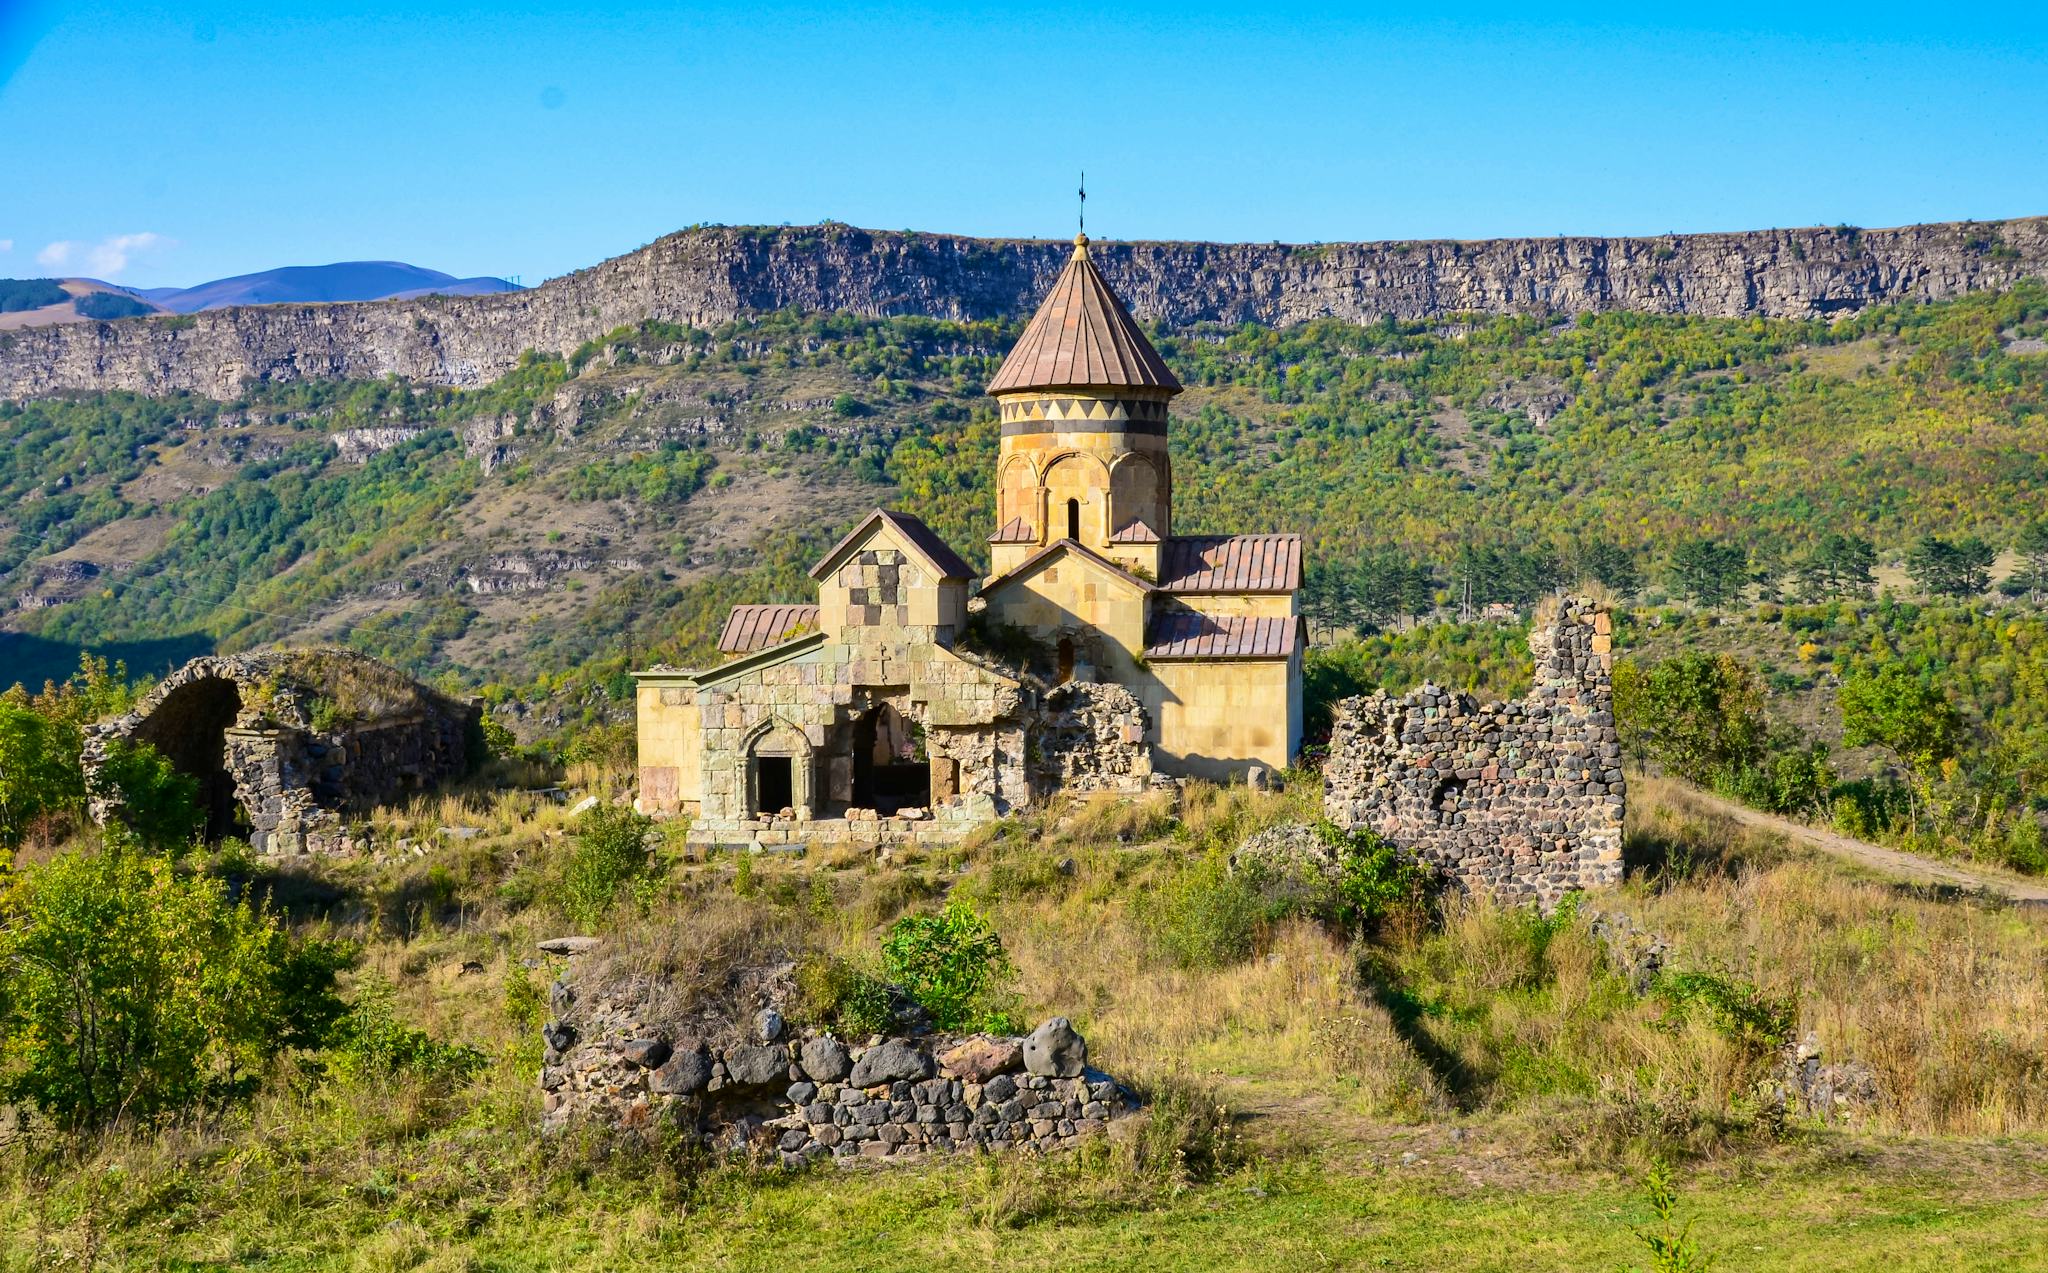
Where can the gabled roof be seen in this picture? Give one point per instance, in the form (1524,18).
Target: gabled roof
(1183,634)
(1014,531)
(1082,337)
(923,540)
(755,660)
(1068,546)
(756,627)
(1231,563)
(1135,533)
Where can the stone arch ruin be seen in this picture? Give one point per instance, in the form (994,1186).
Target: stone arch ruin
(287,745)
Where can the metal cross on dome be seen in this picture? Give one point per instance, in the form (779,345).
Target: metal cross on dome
(1082,220)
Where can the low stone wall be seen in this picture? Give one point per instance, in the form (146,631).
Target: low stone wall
(806,1096)
(1522,800)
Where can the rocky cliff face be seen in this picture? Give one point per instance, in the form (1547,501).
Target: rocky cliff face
(709,276)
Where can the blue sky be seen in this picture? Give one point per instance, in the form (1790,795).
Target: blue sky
(175,143)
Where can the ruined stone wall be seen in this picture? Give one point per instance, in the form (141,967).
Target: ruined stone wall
(805,1095)
(1090,737)
(1522,799)
(710,276)
(245,726)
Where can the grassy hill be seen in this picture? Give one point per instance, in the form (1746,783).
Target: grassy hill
(583,513)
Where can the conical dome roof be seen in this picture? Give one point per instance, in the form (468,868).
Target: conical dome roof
(1082,338)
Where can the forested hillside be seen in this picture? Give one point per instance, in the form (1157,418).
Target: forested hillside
(583,514)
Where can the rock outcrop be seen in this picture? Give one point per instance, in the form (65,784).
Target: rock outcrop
(709,276)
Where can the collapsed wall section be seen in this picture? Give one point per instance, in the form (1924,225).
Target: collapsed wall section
(1522,800)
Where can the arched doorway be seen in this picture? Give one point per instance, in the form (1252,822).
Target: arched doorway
(189,727)
(890,768)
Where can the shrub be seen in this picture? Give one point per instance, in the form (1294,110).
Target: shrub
(1374,879)
(39,771)
(953,964)
(1187,1135)
(1671,1246)
(834,994)
(1756,1022)
(156,802)
(1205,917)
(371,1042)
(610,854)
(126,988)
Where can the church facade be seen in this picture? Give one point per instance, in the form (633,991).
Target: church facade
(918,697)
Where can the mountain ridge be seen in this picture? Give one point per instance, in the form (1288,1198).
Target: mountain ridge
(706,276)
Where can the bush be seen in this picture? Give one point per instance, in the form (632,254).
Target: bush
(128,989)
(1205,917)
(1738,1011)
(953,964)
(156,802)
(371,1042)
(1374,879)
(610,853)
(39,771)
(834,994)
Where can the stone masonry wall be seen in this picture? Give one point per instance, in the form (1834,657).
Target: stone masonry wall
(1090,737)
(1523,799)
(804,1095)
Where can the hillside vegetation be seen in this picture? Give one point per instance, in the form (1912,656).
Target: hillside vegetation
(1448,1086)
(614,503)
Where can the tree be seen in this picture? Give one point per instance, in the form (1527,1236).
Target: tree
(1895,709)
(127,988)
(1958,569)
(1611,566)
(1708,572)
(39,770)
(1836,566)
(2032,547)
(1696,715)
(951,961)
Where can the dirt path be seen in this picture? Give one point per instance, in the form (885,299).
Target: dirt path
(1907,866)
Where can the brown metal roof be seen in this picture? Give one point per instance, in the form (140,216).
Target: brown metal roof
(1014,531)
(1183,634)
(937,553)
(1135,533)
(1231,563)
(1082,338)
(750,628)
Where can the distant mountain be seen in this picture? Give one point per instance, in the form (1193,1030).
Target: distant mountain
(39,302)
(341,281)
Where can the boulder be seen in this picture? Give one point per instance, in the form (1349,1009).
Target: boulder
(752,1066)
(570,945)
(686,1073)
(1054,1050)
(890,1062)
(645,1053)
(981,1058)
(825,1059)
(768,1025)
(559,1035)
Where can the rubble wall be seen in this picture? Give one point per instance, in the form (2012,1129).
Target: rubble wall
(1523,799)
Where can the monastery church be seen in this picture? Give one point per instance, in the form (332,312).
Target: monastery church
(1104,652)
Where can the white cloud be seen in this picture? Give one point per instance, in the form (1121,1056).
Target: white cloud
(104,259)
(6,245)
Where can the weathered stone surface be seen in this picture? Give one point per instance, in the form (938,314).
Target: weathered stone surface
(757,1065)
(645,1053)
(768,1025)
(569,945)
(1524,799)
(982,1057)
(1055,1050)
(684,1074)
(710,276)
(890,1061)
(825,1059)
